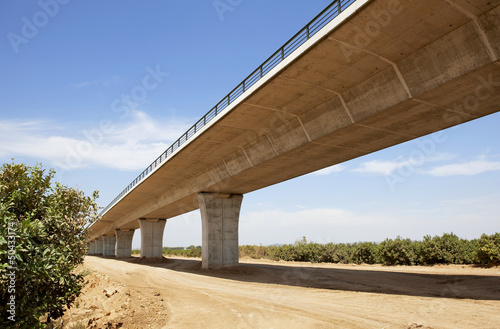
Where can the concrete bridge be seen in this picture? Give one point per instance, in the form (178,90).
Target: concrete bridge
(362,76)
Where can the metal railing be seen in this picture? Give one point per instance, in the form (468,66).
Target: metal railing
(323,18)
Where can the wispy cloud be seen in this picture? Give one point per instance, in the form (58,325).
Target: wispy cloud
(470,168)
(316,216)
(330,170)
(126,145)
(321,225)
(379,167)
(388,167)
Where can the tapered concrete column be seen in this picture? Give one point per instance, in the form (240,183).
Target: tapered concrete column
(92,248)
(219,221)
(108,245)
(124,243)
(152,237)
(98,246)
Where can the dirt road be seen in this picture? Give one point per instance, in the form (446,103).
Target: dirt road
(177,293)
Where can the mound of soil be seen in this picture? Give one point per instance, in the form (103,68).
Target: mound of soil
(105,303)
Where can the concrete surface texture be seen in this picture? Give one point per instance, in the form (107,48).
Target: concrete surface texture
(382,73)
(152,237)
(108,245)
(91,248)
(124,243)
(219,221)
(98,247)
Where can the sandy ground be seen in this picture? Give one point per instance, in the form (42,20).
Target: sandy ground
(177,293)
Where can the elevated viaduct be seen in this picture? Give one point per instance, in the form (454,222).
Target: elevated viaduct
(364,75)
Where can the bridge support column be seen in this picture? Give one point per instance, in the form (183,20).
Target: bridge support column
(108,247)
(152,237)
(89,246)
(124,243)
(92,248)
(98,247)
(219,221)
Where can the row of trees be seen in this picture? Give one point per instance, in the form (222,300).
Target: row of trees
(445,249)
(191,251)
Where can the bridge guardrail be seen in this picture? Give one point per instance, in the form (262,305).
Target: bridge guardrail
(316,24)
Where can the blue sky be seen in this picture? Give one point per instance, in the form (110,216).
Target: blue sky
(71,74)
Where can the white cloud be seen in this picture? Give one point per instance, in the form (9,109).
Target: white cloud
(379,167)
(330,170)
(317,216)
(413,161)
(470,168)
(125,145)
(320,225)
(439,157)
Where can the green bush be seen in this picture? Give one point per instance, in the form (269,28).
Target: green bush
(364,252)
(398,252)
(488,249)
(300,251)
(446,249)
(191,251)
(257,252)
(336,253)
(42,240)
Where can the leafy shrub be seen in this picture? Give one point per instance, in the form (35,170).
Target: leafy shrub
(488,249)
(446,249)
(336,253)
(42,240)
(398,252)
(364,252)
(257,252)
(191,251)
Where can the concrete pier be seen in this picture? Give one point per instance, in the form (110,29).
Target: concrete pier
(219,220)
(98,247)
(108,247)
(124,243)
(92,248)
(152,237)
